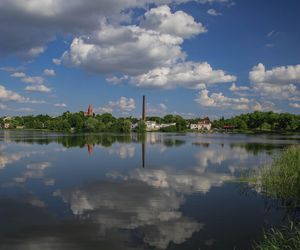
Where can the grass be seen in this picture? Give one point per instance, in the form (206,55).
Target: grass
(286,238)
(282,178)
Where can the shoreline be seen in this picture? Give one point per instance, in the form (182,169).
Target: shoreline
(213,131)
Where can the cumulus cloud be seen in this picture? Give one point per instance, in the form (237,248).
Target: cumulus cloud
(124,104)
(264,106)
(159,109)
(274,91)
(178,24)
(278,75)
(56,61)
(18,74)
(187,74)
(49,72)
(8,95)
(294,105)
(220,101)
(235,88)
(36,82)
(213,12)
(33,79)
(277,83)
(27,27)
(134,50)
(38,88)
(60,105)
(124,49)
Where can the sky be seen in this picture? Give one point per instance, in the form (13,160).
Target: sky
(193,58)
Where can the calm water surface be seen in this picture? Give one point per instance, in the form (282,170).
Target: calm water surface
(159,191)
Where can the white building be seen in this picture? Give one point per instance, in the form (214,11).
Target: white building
(152,125)
(203,124)
(7,121)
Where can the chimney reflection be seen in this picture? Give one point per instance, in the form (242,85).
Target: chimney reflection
(143,153)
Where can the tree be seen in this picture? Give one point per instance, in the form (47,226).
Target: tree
(141,128)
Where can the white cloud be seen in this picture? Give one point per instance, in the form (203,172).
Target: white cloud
(273,91)
(277,83)
(105,109)
(117,80)
(178,24)
(126,104)
(18,74)
(187,74)
(264,106)
(56,61)
(8,95)
(33,79)
(294,105)
(37,82)
(123,104)
(38,88)
(35,51)
(27,26)
(2,106)
(159,109)
(124,49)
(220,101)
(278,75)
(235,88)
(295,99)
(60,105)
(24,110)
(213,12)
(49,72)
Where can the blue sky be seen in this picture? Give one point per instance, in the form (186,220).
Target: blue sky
(193,58)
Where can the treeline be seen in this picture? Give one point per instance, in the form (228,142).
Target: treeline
(264,121)
(77,122)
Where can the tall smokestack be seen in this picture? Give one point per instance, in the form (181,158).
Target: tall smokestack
(144,109)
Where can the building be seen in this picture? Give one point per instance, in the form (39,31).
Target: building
(203,124)
(152,125)
(90,111)
(7,122)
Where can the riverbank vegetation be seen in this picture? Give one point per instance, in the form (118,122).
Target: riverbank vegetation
(281,181)
(285,238)
(261,121)
(76,122)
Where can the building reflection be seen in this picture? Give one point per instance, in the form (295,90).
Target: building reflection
(90,149)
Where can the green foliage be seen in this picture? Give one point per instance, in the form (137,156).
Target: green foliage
(169,129)
(141,127)
(122,125)
(266,121)
(77,122)
(286,238)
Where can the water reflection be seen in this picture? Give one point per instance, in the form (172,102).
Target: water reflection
(154,191)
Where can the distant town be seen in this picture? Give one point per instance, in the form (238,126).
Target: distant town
(90,122)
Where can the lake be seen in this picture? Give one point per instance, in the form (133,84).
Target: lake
(157,191)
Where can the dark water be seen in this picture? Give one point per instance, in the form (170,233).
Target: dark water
(159,191)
